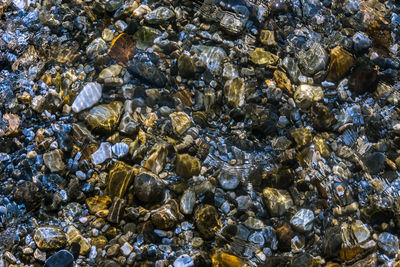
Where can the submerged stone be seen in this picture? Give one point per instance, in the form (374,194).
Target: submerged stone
(148,187)
(145,37)
(109,72)
(156,161)
(120,177)
(98,203)
(267,38)
(102,154)
(187,166)
(49,237)
(148,72)
(302,136)
(303,220)
(188,200)
(167,216)
(283,81)
(261,57)
(207,221)
(105,117)
(186,66)
(180,122)
(88,97)
(62,258)
(313,60)
(277,201)
(120,150)
(159,15)
(54,160)
(340,63)
(234,92)
(211,56)
(306,94)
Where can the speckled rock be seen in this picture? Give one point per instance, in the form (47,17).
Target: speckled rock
(207,220)
(105,117)
(49,237)
(187,166)
(54,160)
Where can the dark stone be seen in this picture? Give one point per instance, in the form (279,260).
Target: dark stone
(332,242)
(62,258)
(75,249)
(322,117)
(302,260)
(30,194)
(148,187)
(375,162)
(116,210)
(363,79)
(148,72)
(280,178)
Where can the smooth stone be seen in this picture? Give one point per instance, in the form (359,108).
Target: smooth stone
(234,92)
(147,71)
(267,38)
(166,216)
(159,15)
(302,136)
(98,203)
(220,258)
(186,66)
(332,242)
(188,200)
(340,63)
(375,162)
(261,57)
(119,178)
(145,36)
(157,158)
(360,231)
(361,41)
(120,150)
(54,160)
(313,60)
(180,122)
(107,35)
(49,237)
(184,261)
(148,187)
(128,125)
(230,71)
(229,179)
(292,68)
(97,47)
(105,117)
(88,97)
(277,201)
(187,166)
(75,236)
(211,56)
(389,244)
(102,154)
(303,220)
(109,72)
(126,249)
(206,217)
(254,224)
(306,94)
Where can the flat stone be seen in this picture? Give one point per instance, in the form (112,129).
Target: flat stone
(62,258)
(54,160)
(302,136)
(98,203)
(180,122)
(186,66)
(120,150)
(303,220)
(277,201)
(229,179)
(306,94)
(166,216)
(109,72)
(313,60)
(188,200)
(88,97)
(360,231)
(120,177)
(148,187)
(187,166)
(261,57)
(105,117)
(389,244)
(340,63)
(102,154)
(49,237)
(126,249)
(234,92)
(207,221)
(157,157)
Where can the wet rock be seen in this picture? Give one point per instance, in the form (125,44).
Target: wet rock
(183,261)
(340,63)
(167,216)
(313,60)
(285,235)
(375,162)
(332,242)
(280,178)
(187,166)
(102,154)
(88,97)
(29,193)
(116,210)
(127,125)
(180,122)
(230,71)
(159,15)
(277,201)
(207,220)
(109,72)
(188,200)
(210,56)
(303,220)
(363,79)
(261,57)
(105,117)
(49,237)
(323,118)
(283,81)
(360,231)
(306,94)
(389,244)
(361,41)
(148,72)
(157,158)
(267,38)
(75,236)
(98,203)
(220,258)
(234,92)
(97,47)
(62,258)
(186,66)
(145,36)
(148,187)
(119,179)
(302,136)
(54,160)
(229,179)
(292,68)
(120,150)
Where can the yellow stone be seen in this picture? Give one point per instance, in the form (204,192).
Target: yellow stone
(46,78)
(267,38)
(99,241)
(222,259)
(74,236)
(49,238)
(302,136)
(187,166)
(261,57)
(234,92)
(111,232)
(340,63)
(322,147)
(156,161)
(349,253)
(283,81)
(207,221)
(105,117)
(120,177)
(180,122)
(98,203)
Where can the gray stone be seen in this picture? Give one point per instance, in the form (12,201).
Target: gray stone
(188,200)
(102,154)
(88,97)
(54,160)
(389,244)
(303,220)
(120,150)
(313,60)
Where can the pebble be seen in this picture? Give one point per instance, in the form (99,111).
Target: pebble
(62,258)
(103,153)
(88,97)
(303,220)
